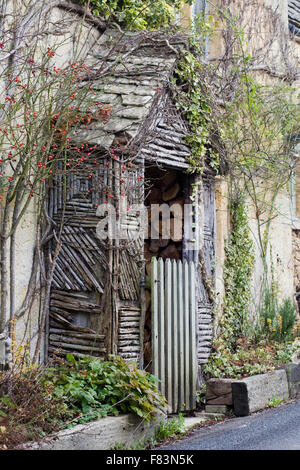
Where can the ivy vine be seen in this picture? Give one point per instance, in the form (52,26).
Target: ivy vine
(193,99)
(237,273)
(242,128)
(136,14)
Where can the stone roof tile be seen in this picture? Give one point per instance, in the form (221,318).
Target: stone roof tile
(130,86)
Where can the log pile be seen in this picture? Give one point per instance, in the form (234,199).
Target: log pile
(165,234)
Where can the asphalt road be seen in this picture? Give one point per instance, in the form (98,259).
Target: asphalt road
(271,429)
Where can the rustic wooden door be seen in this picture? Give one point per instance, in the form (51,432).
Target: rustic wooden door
(182,300)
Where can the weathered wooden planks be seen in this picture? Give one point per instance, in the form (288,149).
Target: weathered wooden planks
(204,331)
(219,392)
(206,233)
(129,332)
(174,331)
(165,144)
(64,334)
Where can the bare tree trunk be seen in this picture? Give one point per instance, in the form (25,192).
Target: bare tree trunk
(46,301)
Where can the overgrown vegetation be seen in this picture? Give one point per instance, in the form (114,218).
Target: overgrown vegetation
(28,410)
(257,346)
(92,388)
(37,401)
(243,127)
(136,14)
(237,273)
(276,322)
(171,428)
(193,100)
(249,357)
(247,346)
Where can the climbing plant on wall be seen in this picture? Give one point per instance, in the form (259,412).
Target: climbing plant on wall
(136,14)
(237,272)
(243,127)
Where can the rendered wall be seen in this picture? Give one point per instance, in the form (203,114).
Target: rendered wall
(259,28)
(75,37)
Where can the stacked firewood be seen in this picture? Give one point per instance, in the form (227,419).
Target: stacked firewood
(165,234)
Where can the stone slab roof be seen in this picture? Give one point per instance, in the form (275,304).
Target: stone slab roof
(131,76)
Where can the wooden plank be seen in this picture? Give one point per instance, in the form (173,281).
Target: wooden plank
(130,324)
(161,323)
(75,340)
(130,348)
(219,391)
(154,320)
(77,295)
(124,319)
(63,313)
(77,305)
(77,347)
(77,334)
(130,310)
(192,313)
(134,342)
(128,330)
(129,337)
(58,351)
(174,332)
(186,336)
(180,338)
(168,333)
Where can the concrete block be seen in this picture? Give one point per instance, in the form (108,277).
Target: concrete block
(192,421)
(254,393)
(216,408)
(206,415)
(293,377)
(126,430)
